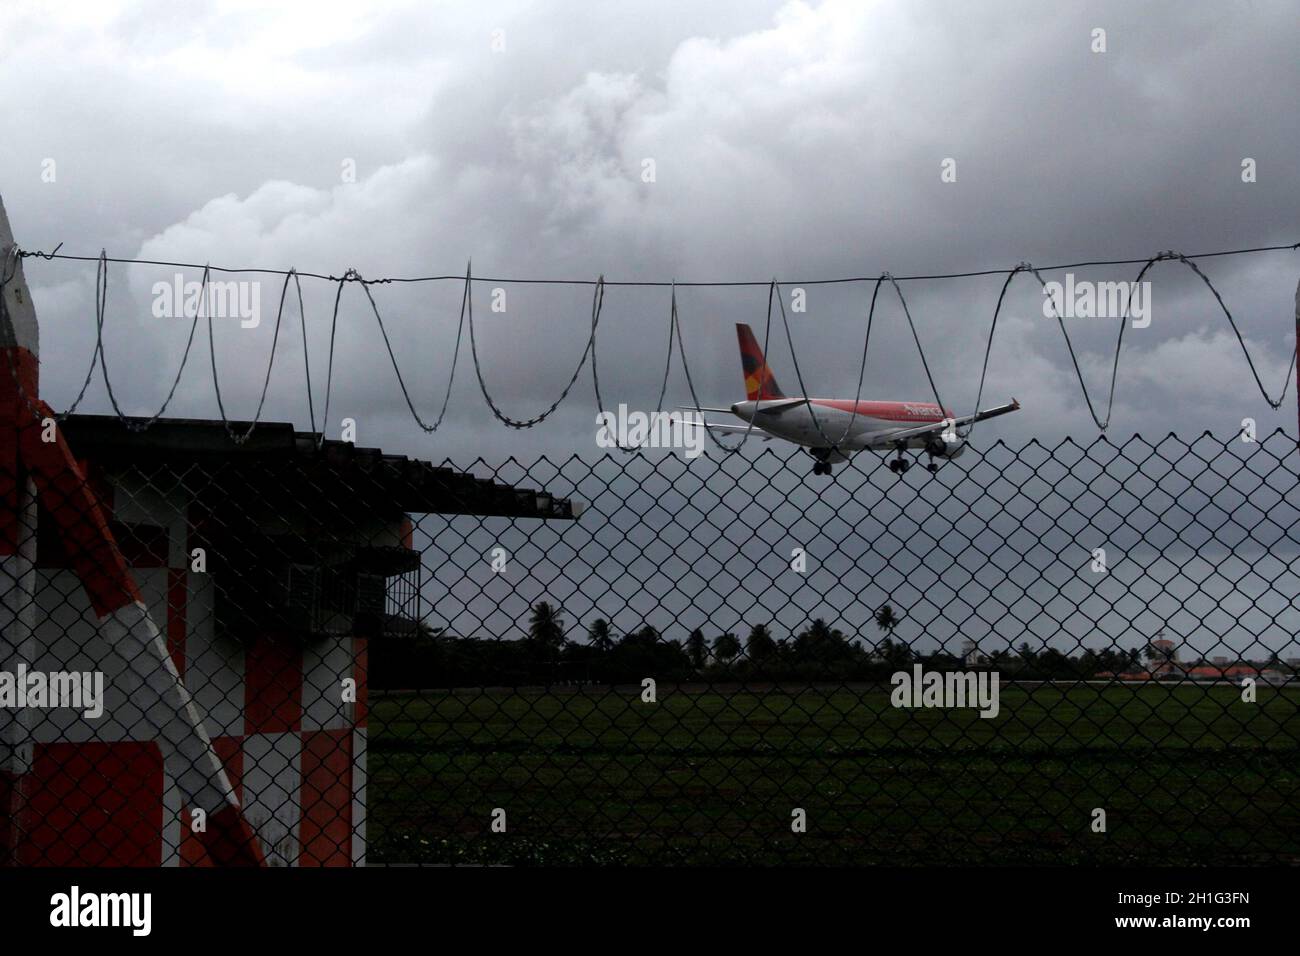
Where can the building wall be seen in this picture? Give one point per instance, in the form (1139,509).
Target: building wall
(273,705)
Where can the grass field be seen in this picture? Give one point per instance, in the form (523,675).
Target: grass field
(1186,775)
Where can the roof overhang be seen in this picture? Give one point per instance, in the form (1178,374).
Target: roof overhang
(404,483)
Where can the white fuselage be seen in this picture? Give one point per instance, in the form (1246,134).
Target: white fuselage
(844,424)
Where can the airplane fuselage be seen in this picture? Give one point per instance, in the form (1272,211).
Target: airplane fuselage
(832,429)
(793,420)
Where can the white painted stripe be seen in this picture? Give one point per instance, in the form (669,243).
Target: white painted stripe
(326,661)
(186,749)
(214,665)
(359,796)
(172,830)
(21,330)
(272,783)
(69,638)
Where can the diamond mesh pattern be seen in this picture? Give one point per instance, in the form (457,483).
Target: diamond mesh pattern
(1121,592)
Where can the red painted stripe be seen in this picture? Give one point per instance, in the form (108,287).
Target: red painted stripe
(889,411)
(178,596)
(99,484)
(230,841)
(13,413)
(230,752)
(24,363)
(9,796)
(75,509)
(10,499)
(94,804)
(273,685)
(325,828)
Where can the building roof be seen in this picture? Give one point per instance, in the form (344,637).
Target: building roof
(366,473)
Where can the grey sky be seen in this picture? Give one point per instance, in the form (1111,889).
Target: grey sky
(793,140)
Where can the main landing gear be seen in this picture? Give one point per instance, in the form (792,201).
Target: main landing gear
(900,464)
(820,465)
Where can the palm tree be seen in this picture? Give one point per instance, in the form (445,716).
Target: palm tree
(887,620)
(697,649)
(726,647)
(760,645)
(546,630)
(599,635)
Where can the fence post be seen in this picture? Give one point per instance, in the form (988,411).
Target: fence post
(18,377)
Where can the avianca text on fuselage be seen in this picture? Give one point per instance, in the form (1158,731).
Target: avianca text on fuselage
(832,429)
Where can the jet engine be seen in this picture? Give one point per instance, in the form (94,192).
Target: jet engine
(947,445)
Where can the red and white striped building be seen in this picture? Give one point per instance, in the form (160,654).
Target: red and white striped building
(291,741)
(227,593)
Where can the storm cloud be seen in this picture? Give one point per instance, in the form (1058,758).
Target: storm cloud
(797,141)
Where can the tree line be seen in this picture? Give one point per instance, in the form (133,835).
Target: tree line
(818,652)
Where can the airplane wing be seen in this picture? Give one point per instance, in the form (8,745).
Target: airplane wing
(769,406)
(756,431)
(930,428)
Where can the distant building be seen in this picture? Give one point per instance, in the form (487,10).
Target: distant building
(1163,654)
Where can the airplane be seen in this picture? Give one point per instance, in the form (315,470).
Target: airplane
(874,425)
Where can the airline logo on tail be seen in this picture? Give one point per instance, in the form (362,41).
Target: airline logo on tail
(760,383)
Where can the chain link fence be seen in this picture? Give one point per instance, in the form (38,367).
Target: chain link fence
(1040,654)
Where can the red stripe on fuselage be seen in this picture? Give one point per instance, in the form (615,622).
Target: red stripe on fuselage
(919,412)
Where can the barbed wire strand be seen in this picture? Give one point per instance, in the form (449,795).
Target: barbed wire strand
(663,388)
(1104,423)
(834,445)
(101,289)
(101,309)
(455,357)
(690,384)
(597,303)
(329,371)
(270,363)
(660,283)
(306,352)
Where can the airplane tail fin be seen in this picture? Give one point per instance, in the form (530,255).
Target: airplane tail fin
(760,383)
